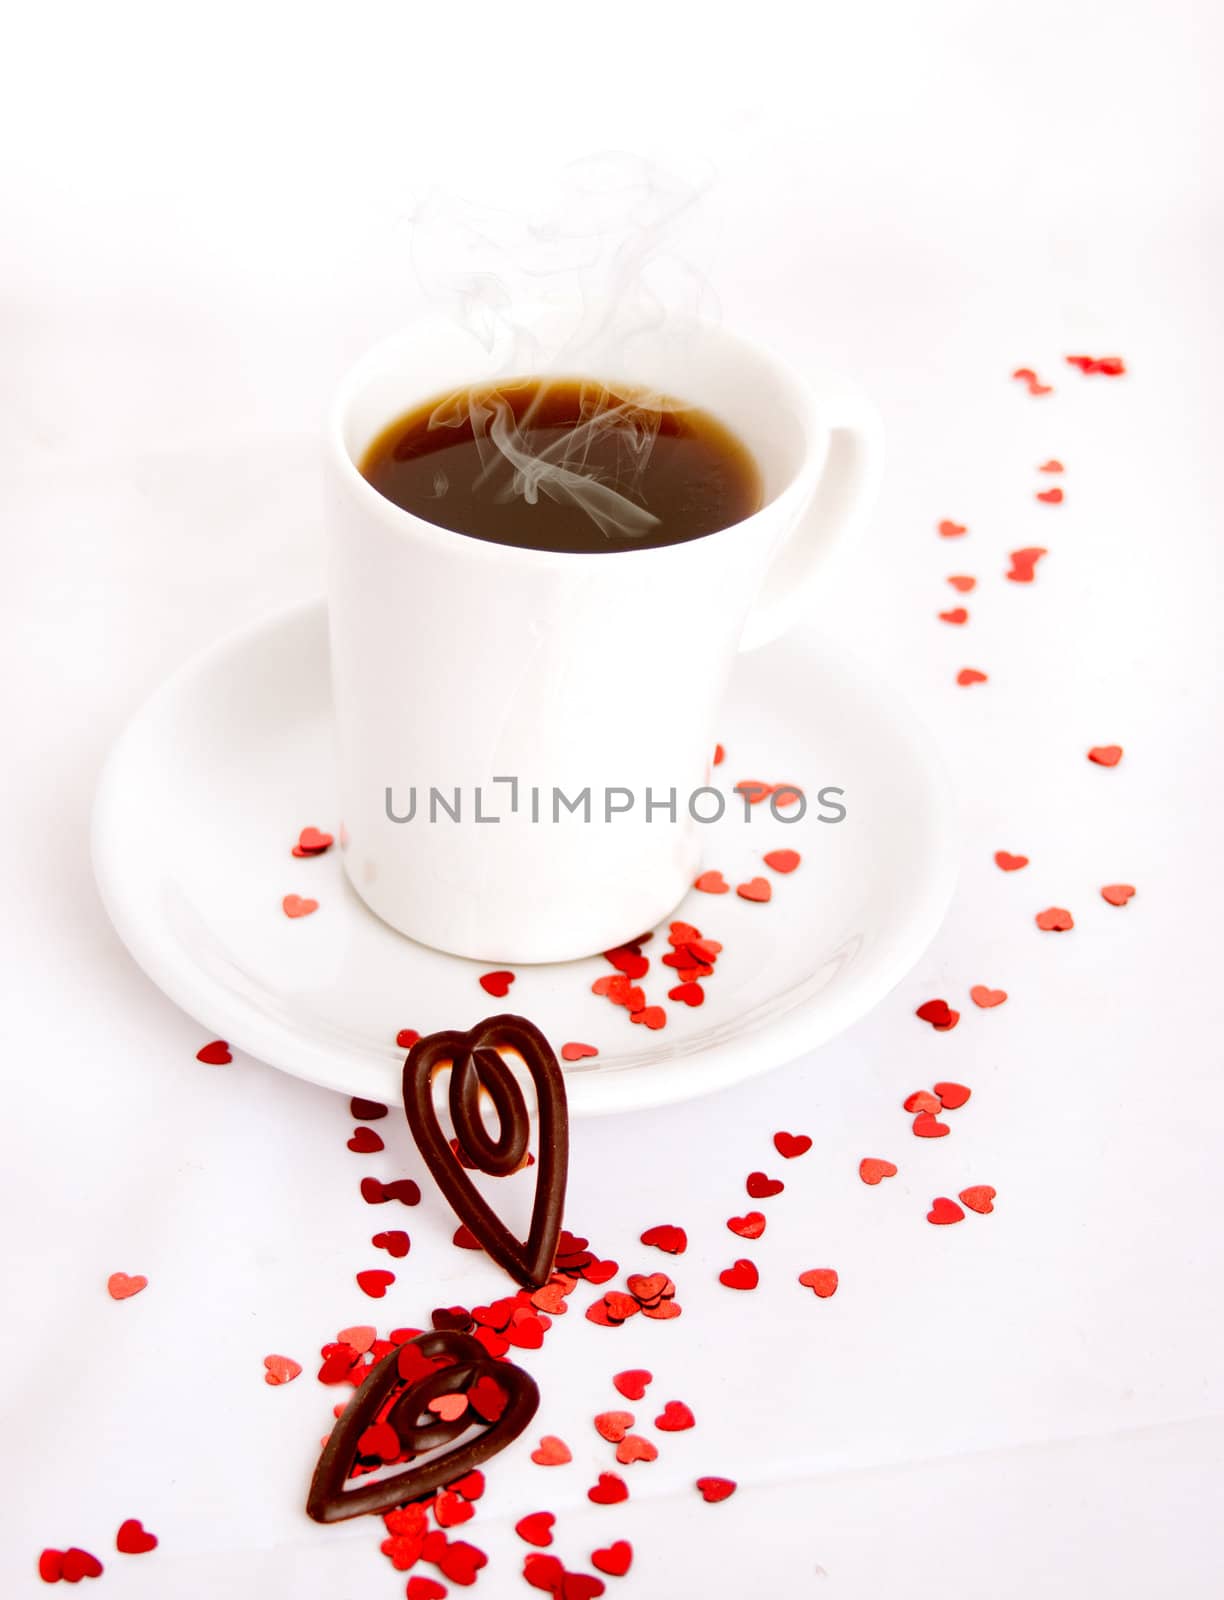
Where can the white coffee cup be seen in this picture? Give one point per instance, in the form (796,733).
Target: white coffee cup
(457,662)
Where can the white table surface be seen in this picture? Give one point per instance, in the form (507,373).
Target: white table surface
(201,230)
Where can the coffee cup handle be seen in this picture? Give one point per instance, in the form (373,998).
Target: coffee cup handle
(844,495)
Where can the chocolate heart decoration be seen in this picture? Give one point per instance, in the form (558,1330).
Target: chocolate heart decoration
(467,1362)
(475,1066)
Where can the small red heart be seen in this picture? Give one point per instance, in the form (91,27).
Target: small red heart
(963,585)
(1105,755)
(939,1014)
(406,1038)
(312,842)
(952,1096)
(361,1338)
(78,1564)
(743,1275)
(711,883)
(751,1226)
(791,1145)
(1051,466)
(132,1540)
(958,616)
(943,1212)
(675,1417)
(615,1560)
(872,1169)
(537,1528)
(987,998)
(551,1452)
(783,860)
(577,1052)
(366,1110)
(496,983)
(365,1142)
(634,1448)
(609,1490)
(1050,497)
(280,1369)
(614,1425)
(460,1561)
(394,1241)
(951,530)
(1054,920)
(667,1236)
(375,1282)
(753,790)
(1117,894)
(979,1198)
(51,1566)
(1009,863)
(628,960)
(120,1287)
(926,1126)
(922,1100)
(755,889)
(760,1187)
(968,675)
(581,1586)
(421,1588)
(451,1510)
(1024,563)
(216,1054)
(633,1383)
(822,1281)
(293,905)
(715,1489)
(689,994)
(450,1407)
(654,1017)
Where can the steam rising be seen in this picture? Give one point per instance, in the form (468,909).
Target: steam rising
(595,261)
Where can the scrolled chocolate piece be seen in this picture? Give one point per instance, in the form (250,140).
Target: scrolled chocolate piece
(467,1362)
(477,1065)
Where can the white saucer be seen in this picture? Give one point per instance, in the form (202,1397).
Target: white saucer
(205,793)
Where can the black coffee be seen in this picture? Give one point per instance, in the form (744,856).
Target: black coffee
(565,464)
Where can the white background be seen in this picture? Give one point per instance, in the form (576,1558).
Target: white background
(203,219)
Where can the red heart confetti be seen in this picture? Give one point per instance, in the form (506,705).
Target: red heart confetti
(667,1236)
(951,530)
(689,994)
(1051,466)
(295,905)
(720,755)
(312,842)
(753,790)
(952,1096)
(939,1014)
(122,1287)
(77,1564)
(751,1226)
(460,1561)
(614,1425)
(51,1566)
(450,1511)
(791,1145)
(675,1417)
(575,1051)
(1035,385)
(551,1452)
(450,1407)
(922,1100)
(822,1281)
(280,1369)
(743,1275)
(943,1212)
(1024,564)
(216,1054)
(496,983)
(872,1169)
(406,1038)
(927,1127)
(422,1588)
(711,883)
(1050,497)
(360,1338)
(1054,920)
(615,1560)
(537,1528)
(760,1187)
(962,584)
(970,675)
(755,889)
(609,1491)
(654,1017)
(1117,894)
(715,1489)
(365,1142)
(958,616)
(783,860)
(1108,366)
(1105,755)
(987,998)
(375,1282)
(394,1241)
(979,1197)
(633,1382)
(366,1110)
(1009,863)
(634,1448)
(132,1540)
